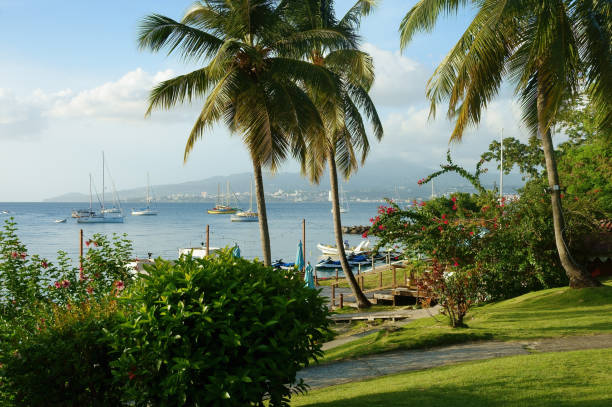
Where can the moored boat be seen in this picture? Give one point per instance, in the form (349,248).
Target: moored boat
(146,211)
(223,205)
(246,216)
(333,250)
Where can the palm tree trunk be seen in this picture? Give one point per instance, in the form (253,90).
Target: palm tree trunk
(261,211)
(578,276)
(360,298)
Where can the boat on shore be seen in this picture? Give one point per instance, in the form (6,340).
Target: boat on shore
(330,250)
(197,252)
(224,202)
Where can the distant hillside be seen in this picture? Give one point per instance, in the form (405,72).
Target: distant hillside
(375,181)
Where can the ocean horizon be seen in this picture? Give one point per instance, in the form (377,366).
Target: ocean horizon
(181,225)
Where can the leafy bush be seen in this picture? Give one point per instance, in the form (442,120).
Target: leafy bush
(65,361)
(220,331)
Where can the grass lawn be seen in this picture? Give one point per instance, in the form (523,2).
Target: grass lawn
(579,378)
(541,314)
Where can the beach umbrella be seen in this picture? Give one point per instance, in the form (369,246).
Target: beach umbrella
(309,276)
(236,251)
(299,258)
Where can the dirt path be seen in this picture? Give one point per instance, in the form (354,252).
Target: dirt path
(400,361)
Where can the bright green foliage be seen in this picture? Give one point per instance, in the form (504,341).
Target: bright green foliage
(219,331)
(65,361)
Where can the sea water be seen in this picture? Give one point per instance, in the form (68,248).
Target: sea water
(180,225)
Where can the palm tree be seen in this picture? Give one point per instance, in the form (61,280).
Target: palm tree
(343,143)
(549,49)
(249,80)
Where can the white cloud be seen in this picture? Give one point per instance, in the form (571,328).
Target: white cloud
(19,118)
(399,80)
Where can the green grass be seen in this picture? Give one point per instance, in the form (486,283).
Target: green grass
(541,314)
(373,308)
(562,379)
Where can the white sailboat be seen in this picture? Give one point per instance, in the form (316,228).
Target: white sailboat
(116,208)
(99,217)
(343,201)
(246,216)
(147,211)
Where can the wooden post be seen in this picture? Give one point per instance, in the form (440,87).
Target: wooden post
(361,281)
(380,279)
(81,249)
(358,269)
(373,263)
(405,277)
(304,242)
(333,295)
(394,279)
(336,275)
(341,300)
(207,239)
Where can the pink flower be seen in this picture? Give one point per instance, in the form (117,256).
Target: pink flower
(471,233)
(443,216)
(420,181)
(456,264)
(371,220)
(440,228)
(65,283)
(454,207)
(14,255)
(390,210)
(119,285)
(454,199)
(87,243)
(44,264)
(423,228)
(381,227)
(446,222)
(58,284)
(95,243)
(365,234)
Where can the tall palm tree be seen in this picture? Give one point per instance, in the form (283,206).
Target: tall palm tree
(343,142)
(549,49)
(249,79)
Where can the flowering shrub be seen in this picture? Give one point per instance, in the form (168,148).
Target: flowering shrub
(48,320)
(221,331)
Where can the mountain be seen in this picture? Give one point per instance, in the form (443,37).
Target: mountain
(375,181)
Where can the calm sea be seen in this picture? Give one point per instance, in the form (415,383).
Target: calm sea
(184,225)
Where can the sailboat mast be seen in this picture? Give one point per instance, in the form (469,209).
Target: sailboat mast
(90,203)
(227,196)
(148,197)
(251,199)
(102,180)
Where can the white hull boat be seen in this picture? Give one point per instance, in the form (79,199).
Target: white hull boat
(60,220)
(104,216)
(330,250)
(246,216)
(197,252)
(100,218)
(147,211)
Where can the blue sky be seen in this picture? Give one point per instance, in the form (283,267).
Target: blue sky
(73,83)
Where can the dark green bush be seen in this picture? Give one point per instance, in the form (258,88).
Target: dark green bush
(217,332)
(65,361)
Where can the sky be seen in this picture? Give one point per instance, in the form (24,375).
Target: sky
(73,83)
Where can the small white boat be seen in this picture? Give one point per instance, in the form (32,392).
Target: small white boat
(4,212)
(344,208)
(197,252)
(60,220)
(147,211)
(330,250)
(246,216)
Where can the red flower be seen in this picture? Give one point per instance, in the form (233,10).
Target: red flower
(423,228)
(371,220)
(471,233)
(456,264)
(365,234)
(58,284)
(131,374)
(23,255)
(14,255)
(377,219)
(562,196)
(119,285)
(454,199)
(44,264)
(95,243)
(390,210)
(420,181)
(422,203)
(454,207)
(446,222)
(65,283)
(87,243)
(440,228)
(381,227)
(443,216)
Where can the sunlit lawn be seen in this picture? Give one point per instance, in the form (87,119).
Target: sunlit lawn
(579,378)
